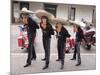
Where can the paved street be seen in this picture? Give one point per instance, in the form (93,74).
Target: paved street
(18,56)
(18,61)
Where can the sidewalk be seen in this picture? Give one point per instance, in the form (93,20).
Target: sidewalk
(18,60)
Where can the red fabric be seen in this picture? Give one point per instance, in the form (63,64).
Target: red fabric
(73,42)
(25,41)
(20,42)
(21,33)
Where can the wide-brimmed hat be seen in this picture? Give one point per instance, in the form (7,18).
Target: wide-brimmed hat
(59,20)
(25,10)
(79,23)
(40,13)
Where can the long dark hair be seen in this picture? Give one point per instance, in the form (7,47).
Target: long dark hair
(44,17)
(47,21)
(80,31)
(25,14)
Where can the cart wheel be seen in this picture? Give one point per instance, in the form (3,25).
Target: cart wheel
(67,51)
(26,49)
(73,48)
(22,48)
(88,47)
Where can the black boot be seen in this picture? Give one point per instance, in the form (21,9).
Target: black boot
(58,60)
(33,58)
(45,67)
(78,64)
(43,59)
(28,64)
(73,59)
(62,66)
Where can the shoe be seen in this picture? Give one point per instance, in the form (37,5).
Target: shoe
(73,59)
(58,59)
(62,66)
(33,58)
(27,65)
(67,51)
(45,67)
(73,48)
(78,64)
(22,48)
(44,59)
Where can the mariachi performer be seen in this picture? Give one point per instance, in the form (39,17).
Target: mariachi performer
(78,38)
(62,34)
(31,26)
(47,31)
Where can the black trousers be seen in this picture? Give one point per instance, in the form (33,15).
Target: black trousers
(77,52)
(31,49)
(46,45)
(58,49)
(61,50)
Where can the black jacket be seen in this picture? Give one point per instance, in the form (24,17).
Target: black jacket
(79,37)
(32,26)
(48,31)
(63,34)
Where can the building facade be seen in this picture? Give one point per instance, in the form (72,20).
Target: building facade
(65,11)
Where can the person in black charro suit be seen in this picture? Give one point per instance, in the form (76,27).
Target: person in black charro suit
(31,26)
(62,33)
(47,31)
(79,37)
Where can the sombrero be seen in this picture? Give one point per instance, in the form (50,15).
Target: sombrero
(79,23)
(59,20)
(40,13)
(25,10)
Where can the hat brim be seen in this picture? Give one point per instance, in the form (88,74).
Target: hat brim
(79,23)
(59,20)
(28,12)
(40,13)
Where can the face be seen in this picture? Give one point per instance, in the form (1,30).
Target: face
(24,19)
(74,28)
(44,21)
(59,25)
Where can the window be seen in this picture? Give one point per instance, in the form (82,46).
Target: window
(93,16)
(50,8)
(24,4)
(71,14)
(15,1)
(14,10)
